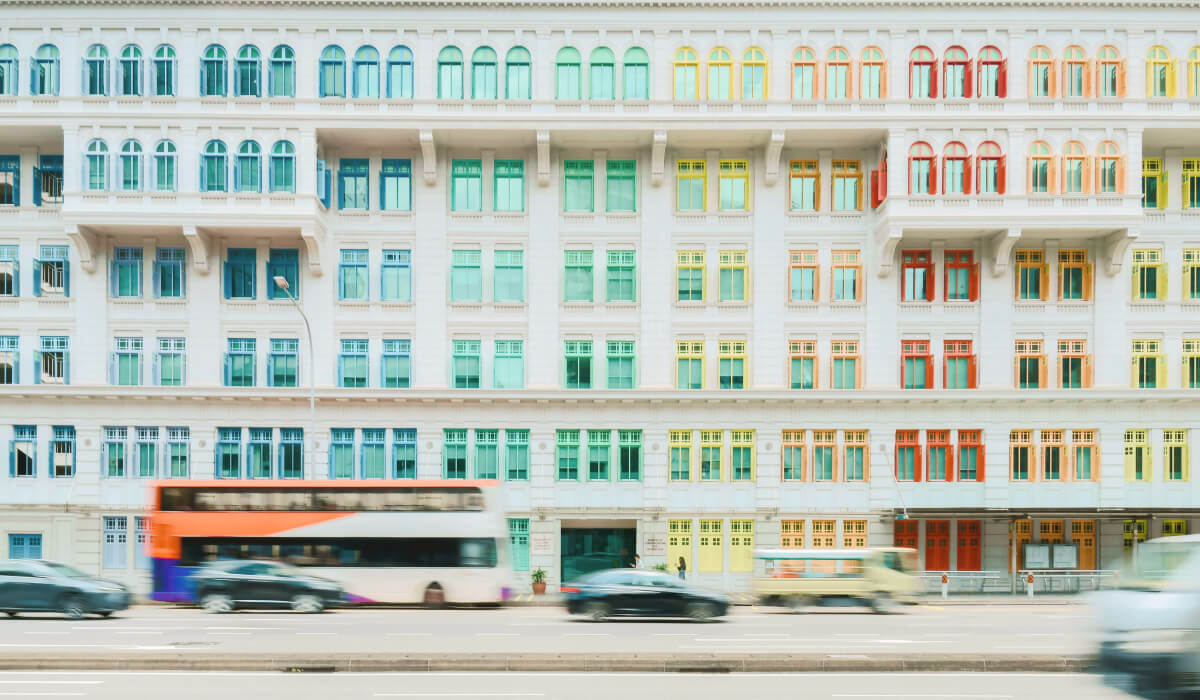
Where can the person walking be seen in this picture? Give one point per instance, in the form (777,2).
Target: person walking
(682,569)
(637,561)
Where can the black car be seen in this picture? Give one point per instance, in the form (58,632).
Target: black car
(34,585)
(222,586)
(602,594)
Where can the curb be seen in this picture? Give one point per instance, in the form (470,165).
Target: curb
(651,663)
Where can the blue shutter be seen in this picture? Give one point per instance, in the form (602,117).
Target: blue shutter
(154,276)
(228,370)
(341,189)
(37,186)
(381,190)
(37,367)
(112,368)
(17,185)
(37,277)
(270,369)
(12,460)
(112,275)
(67,277)
(66,366)
(341,370)
(228,278)
(156,373)
(183,275)
(271,277)
(237,168)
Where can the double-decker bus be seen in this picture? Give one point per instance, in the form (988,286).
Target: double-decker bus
(428,542)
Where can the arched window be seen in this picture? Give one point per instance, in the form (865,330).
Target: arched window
(213,168)
(366,72)
(1160,73)
(95,71)
(804,74)
(131,71)
(283,167)
(567,74)
(837,74)
(1040,175)
(1077,79)
(283,72)
(450,74)
(922,171)
(97,165)
(1043,82)
(212,71)
(8,69)
(165,166)
(922,74)
(687,74)
(956,169)
(993,73)
(957,73)
(247,171)
(483,74)
(131,166)
(1111,72)
(1110,178)
(248,71)
(333,72)
(602,74)
(754,74)
(1193,73)
(990,170)
(518,81)
(636,74)
(1077,169)
(872,78)
(400,73)
(164,70)
(45,71)
(720,74)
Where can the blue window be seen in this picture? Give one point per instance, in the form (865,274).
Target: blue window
(258,454)
(483,74)
(518,543)
(170,363)
(129,77)
(178,457)
(395,184)
(169,273)
(116,542)
(240,362)
(517,76)
(96,166)
(43,69)
(374,454)
(283,72)
(353,275)
(487,454)
(404,453)
(52,363)
(10,271)
(333,72)
(8,69)
(323,182)
(396,364)
(400,73)
(516,455)
(24,546)
(214,170)
(116,451)
(341,453)
(283,167)
(291,453)
(95,71)
(240,275)
(125,364)
(366,72)
(165,166)
(247,170)
(248,72)
(10,180)
(62,452)
(147,452)
(454,454)
(450,74)
(352,184)
(283,364)
(10,352)
(396,276)
(48,180)
(212,72)
(22,452)
(125,273)
(51,272)
(352,363)
(130,166)
(285,263)
(229,453)
(164,71)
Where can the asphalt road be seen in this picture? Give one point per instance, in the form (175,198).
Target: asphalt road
(1005,629)
(550,686)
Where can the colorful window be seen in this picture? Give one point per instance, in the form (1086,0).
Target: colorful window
(1193,72)
(679,543)
(508,286)
(847,185)
(940,459)
(824,455)
(1110,169)
(823,534)
(577,356)
(1174,528)
(1077,175)
(720,74)
(599,453)
(1110,73)
(734,275)
(968,548)
(754,74)
(802,364)
(508,364)
(991,173)
(1042,79)
(1175,454)
(687,76)
(621,364)
(689,275)
(922,171)
(970,455)
(908,455)
(1077,79)
(791,534)
(711,547)
(229,454)
(916,365)
(454,454)
(993,73)
(621,185)
(352,363)
(803,275)
(568,74)
(1149,274)
(629,454)
(395,277)
(636,74)
(958,364)
(1074,364)
(518,543)
(396,363)
(1084,452)
(1053,455)
(466,276)
(240,362)
(732,356)
(1149,366)
(681,455)
(1191,363)
(837,74)
(691,185)
(1041,170)
(1160,73)
(1139,465)
(1083,535)
(847,269)
(1020,534)
(466,364)
(741,545)
(956,69)
(689,364)
(961,276)
(508,185)
(872,79)
(804,74)
(578,185)
(1029,364)
(733,184)
(332,74)
(918,275)
(711,442)
(847,367)
(1031,275)
(1074,275)
(856,452)
(793,455)
(567,455)
(516,454)
(466,185)
(1021,456)
(1132,529)
(804,185)
(1154,184)
(956,169)
(922,74)
(578,279)
(1191,183)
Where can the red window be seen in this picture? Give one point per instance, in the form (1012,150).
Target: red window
(958,73)
(958,365)
(922,73)
(993,73)
(908,455)
(968,545)
(922,169)
(916,365)
(905,533)
(937,545)
(918,275)
(879,183)
(956,169)
(970,455)
(990,171)
(940,463)
(961,276)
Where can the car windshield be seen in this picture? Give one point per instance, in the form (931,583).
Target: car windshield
(64,570)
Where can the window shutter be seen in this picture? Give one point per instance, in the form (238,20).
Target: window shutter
(1089,174)
(341,180)
(917,474)
(1087,371)
(1121,175)
(66,367)
(1028,174)
(1162,190)
(37,367)
(237,170)
(1172,83)
(973,294)
(1161,290)
(1042,379)
(883,81)
(154,276)
(933,178)
(228,371)
(1087,282)
(12,460)
(1160,372)
(933,80)
(112,275)
(910,174)
(875,189)
(1121,78)
(968,172)
(911,67)
(928,372)
(228,281)
(1055,67)
(1002,78)
(969,79)
(112,368)
(972,378)
(1054,185)
(37,277)
(930,282)
(1089,79)
(37,186)
(1002,175)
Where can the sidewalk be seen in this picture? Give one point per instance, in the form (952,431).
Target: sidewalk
(555,599)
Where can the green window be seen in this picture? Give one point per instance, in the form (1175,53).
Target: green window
(710,462)
(466,185)
(466,276)
(352,183)
(567,74)
(621,185)
(599,446)
(741,462)
(283,364)
(845,373)
(1028,372)
(454,454)
(114,450)
(793,462)
(352,275)
(258,454)
(957,372)
(374,454)
(352,363)
(450,74)
(240,362)
(396,276)
(395,184)
(291,453)
(567,456)
(126,367)
(578,188)
(177,453)
(404,453)
(804,283)
(241,281)
(602,74)
(578,284)
(341,453)
(621,362)
(395,363)
(126,272)
(466,364)
(509,364)
(170,361)
(168,273)
(636,74)
(509,189)
(681,463)
(855,455)
(516,455)
(285,263)
(229,453)
(510,276)
(518,543)
(629,451)
(621,281)
(578,355)
(803,371)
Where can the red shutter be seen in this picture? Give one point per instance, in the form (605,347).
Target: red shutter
(929,282)
(933,81)
(1002,175)
(979,455)
(883,179)
(917,463)
(969,79)
(874,188)
(910,174)
(972,380)
(1003,79)
(933,178)
(911,65)
(967,173)
(928,372)
(973,294)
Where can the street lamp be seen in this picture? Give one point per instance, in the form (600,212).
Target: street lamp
(282,283)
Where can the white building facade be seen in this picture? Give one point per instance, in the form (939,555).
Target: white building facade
(689,278)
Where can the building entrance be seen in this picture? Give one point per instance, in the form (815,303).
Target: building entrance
(587,549)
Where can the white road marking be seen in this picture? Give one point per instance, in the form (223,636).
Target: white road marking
(460,695)
(42,695)
(410,634)
(922,695)
(497,634)
(676,634)
(587,634)
(314,633)
(4,682)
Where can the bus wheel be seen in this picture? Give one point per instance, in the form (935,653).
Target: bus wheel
(883,604)
(799,603)
(435,597)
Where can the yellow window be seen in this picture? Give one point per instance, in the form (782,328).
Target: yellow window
(1174,528)
(847,275)
(711,442)
(712,555)
(824,464)
(754,74)
(1160,73)
(1022,459)
(1054,456)
(1074,275)
(1191,271)
(681,455)
(1175,454)
(741,545)
(854,534)
(791,534)
(732,358)
(856,465)
(1084,455)
(734,275)
(687,74)
(720,74)
(689,275)
(1138,464)
(691,185)
(1032,278)
(1154,184)
(1149,367)
(824,536)
(741,455)
(805,185)
(679,544)
(1029,363)
(1050,531)
(1149,275)
(733,184)
(847,185)
(1193,72)
(1191,363)
(1021,534)
(689,364)
(793,456)
(1132,527)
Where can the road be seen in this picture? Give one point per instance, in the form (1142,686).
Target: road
(550,686)
(984,628)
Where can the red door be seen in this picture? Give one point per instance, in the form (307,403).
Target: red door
(937,545)
(968,545)
(905,533)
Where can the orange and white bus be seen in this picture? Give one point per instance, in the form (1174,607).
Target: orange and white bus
(426,542)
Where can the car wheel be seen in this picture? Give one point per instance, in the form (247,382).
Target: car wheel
(72,606)
(597,611)
(307,603)
(701,612)
(106,613)
(798,604)
(434,598)
(216,603)
(11,613)
(883,604)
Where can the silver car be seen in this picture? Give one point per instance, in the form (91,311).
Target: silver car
(32,585)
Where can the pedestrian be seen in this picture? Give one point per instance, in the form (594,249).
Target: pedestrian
(637,561)
(682,569)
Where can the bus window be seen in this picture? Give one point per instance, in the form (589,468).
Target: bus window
(893,561)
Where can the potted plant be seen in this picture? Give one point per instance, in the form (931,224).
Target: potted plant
(539,581)
(661,567)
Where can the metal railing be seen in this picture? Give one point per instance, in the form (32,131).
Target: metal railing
(967,581)
(1058,581)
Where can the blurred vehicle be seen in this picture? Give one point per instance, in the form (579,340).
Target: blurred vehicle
(1149,626)
(431,542)
(602,594)
(34,585)
(879,577)
(224,585)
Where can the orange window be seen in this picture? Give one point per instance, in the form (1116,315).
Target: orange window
(872,74)
(1083,535)
(1041,174)
(847,276)
(803,275)
(1050,531)
(802,369)
(918,275)
(1110,169)
(1021,458)
(993,73)
(937,545)
(922,169)
(940,463)
(1043,76)
(1029,364)
(916,370)
(908,455)
(958,365)
(958,73)
(854,534)
(1020,534)
(970,455)
(879,182)
(956,169)
(823,534)
(904,533)
(804,74)
(1074,364)
(922,74)
(856,464)
(1054,456)
(1110,75)
(961,276)
(1074,275)
(1077,73)
(794,460)
(791,534)
(991,171)
(1077,169)
(968,549)
(824,464)
(847,365)
(838,75)
(1084,452)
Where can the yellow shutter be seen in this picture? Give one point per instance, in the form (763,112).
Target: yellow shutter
(1172,87)
(711,542)
(1160,367)
(1162,281)
(741,545)
(1162,190)
(679,544)
(1130,473)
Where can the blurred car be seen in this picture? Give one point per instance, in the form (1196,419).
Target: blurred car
(35,585)
(222,586)
(1149,627)
(602,594)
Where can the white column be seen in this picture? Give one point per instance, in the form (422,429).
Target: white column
(897,184)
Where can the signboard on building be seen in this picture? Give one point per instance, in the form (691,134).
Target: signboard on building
(654,545)
(1065,556)
(1037,556)
(541,543)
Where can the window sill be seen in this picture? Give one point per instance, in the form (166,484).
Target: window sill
(52,299)
(733,304)
(353,212)
(621,304)
(804,305)
(509,305)
(578,304)
(846,304)
(362,304)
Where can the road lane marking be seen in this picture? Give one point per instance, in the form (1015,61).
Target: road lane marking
(460,695)
(410,634)
(497,634)
(921,695)
(48,694)
(586,634)
(314,633)
(676,634)
(21,682)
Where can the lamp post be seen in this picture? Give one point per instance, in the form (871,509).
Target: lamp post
(282,283)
